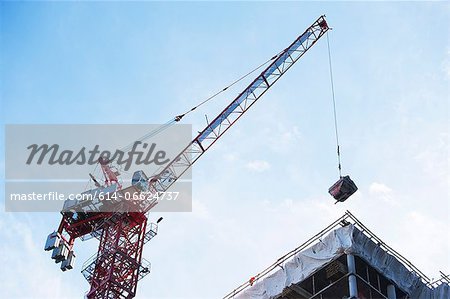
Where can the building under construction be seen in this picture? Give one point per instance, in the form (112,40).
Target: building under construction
(345,260)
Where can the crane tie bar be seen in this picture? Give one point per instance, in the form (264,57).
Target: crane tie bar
(179,117)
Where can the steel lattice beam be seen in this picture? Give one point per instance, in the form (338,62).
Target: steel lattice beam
(116,270)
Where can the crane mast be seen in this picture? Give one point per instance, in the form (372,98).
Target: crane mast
(113,272)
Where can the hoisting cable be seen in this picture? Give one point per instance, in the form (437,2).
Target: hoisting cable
(151,134)
(179,117)
(334,108)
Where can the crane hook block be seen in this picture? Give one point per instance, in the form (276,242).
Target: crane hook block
(343,189)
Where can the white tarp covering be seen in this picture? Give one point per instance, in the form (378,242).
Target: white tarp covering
(348,240)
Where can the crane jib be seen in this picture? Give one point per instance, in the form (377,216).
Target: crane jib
(259,81)
(225,119)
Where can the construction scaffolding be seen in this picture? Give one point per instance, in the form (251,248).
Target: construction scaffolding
(345,260)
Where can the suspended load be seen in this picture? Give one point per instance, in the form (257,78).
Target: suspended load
(343,189)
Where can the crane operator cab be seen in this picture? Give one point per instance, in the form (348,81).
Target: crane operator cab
(343,189)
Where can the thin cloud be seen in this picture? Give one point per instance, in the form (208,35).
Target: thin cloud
(380,190)
(258,165)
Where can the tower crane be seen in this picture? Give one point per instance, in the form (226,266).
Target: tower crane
(118,265)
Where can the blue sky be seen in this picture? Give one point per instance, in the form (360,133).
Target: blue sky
(262,189)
